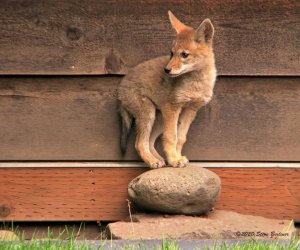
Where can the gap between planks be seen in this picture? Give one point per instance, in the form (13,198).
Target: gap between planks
(142,165)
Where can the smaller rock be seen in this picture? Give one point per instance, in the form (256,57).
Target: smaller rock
(218,224)
(8,235)
(190,190)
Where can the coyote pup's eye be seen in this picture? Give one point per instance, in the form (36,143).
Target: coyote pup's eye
(171,54)
(184,55)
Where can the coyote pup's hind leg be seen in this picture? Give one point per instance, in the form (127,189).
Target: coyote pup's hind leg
(144,120)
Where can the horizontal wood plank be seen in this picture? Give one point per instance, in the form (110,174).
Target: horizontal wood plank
(33,194)
(75,118)
(103,37)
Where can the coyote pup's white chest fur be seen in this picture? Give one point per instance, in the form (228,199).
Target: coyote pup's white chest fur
(164,94)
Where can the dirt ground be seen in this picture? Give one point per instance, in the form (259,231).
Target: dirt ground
(63,230)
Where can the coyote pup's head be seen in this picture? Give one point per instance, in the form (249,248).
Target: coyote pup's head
(192,49)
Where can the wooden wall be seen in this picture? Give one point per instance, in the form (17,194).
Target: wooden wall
(76,194)
(75,118)
(60,64)
(103,37)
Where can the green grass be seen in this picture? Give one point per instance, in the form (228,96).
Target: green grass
(166,245)
(260,245)
(52,242)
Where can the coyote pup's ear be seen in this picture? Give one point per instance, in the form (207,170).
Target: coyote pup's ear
(177,25)
(205,32)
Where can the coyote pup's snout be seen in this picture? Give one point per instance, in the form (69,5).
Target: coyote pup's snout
(164,94)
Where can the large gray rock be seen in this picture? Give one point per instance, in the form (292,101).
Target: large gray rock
(218,224)
(190,190)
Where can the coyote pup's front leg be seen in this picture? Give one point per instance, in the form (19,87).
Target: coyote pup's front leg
(186,118)
(170,120)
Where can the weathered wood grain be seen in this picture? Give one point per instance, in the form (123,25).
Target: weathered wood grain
(102,37)
(75,118)
(39,194)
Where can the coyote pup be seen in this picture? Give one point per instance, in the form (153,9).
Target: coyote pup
(164,94)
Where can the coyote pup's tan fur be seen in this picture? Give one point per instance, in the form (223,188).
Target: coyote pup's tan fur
(164,94)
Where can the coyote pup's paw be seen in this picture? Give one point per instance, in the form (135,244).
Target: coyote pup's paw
(157,164)
(180,163)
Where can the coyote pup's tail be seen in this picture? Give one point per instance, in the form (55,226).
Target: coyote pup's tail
(126,123)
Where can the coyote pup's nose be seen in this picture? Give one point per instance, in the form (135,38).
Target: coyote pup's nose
(167,70)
